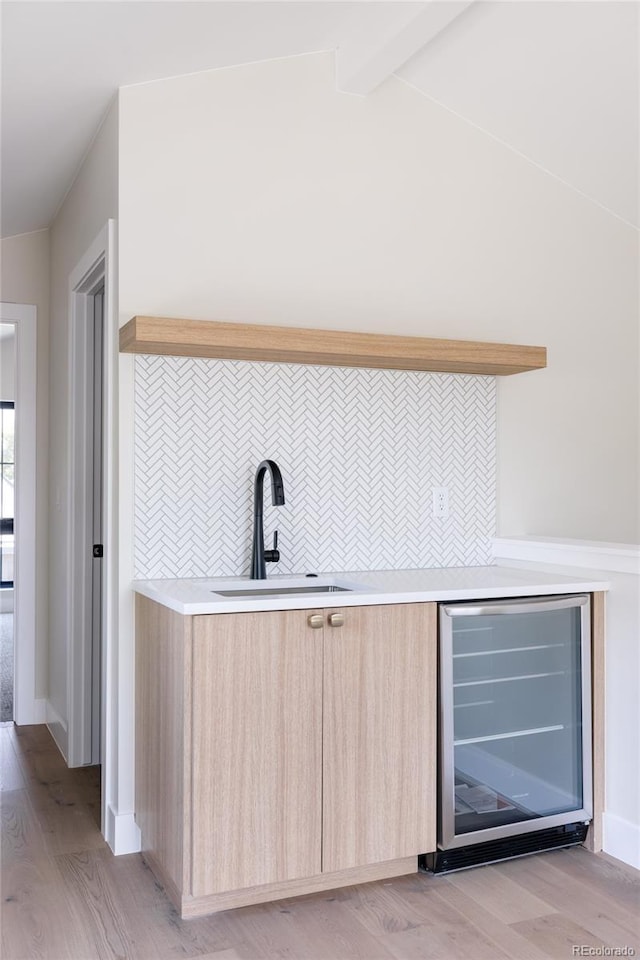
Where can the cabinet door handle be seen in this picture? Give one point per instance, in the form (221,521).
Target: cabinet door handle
(315,621)
(336,619)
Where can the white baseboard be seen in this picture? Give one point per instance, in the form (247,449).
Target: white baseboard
(39,711)
(57,728)
(616,557)
(35,712)
(123,833)
(6,600)
(621,839)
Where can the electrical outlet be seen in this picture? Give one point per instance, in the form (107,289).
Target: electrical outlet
(440,502)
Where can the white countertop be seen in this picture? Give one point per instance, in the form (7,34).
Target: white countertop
(366,588)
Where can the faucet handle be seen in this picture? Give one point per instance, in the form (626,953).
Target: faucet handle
(272,556)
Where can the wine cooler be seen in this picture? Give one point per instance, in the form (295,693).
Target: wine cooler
(515,728)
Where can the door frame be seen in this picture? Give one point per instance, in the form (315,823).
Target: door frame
(26,707)
(97,265)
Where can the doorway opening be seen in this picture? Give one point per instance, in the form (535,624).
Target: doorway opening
(90,737)
(96,468)
(7,512)
(18,535)
(87,518)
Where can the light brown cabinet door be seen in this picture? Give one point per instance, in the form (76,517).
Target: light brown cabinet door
(379,770)
(257,750)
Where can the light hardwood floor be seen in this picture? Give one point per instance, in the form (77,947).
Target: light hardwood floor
(65,897)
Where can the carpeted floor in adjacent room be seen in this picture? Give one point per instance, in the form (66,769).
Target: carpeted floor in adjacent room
(6,667)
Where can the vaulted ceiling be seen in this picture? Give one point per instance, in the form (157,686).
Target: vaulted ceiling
(556,81)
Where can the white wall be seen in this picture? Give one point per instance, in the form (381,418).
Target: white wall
(620,566)
(7,362)
(571,102)
(260,194)
(91,201)
(25,279)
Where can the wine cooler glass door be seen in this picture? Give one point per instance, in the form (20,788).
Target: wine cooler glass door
(515,717)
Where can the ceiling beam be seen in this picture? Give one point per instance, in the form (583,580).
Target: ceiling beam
(378,47)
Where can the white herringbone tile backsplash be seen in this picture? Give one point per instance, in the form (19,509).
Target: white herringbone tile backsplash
(359,452)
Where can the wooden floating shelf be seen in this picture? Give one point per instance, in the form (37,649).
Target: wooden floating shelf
(243,341)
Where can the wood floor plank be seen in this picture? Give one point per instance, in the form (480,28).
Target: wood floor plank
(442,930)
(39,760)
(29,742)
(322,913)
(21,834)
(383,908)
(611,877)
(594,910)
(557,935)
(11,776)
(505,899)
(38,919)
(36,731)
(220,955)
(506,939)
(32,737)
(66,897)
(68,817)
(155,931)
(43,771)
(314,927)
(618,865)
(33,923)
(84,875)
(440,941)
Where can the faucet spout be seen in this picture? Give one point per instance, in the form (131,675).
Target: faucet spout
(259,557)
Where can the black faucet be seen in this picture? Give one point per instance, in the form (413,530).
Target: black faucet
(260,556)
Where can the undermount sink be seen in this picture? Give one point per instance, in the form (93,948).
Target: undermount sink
(279,591)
